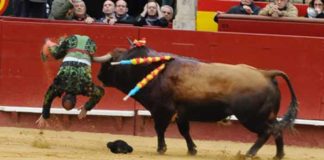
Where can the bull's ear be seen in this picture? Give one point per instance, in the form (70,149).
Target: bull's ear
(131,43)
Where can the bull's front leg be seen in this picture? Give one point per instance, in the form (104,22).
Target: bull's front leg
(160,128)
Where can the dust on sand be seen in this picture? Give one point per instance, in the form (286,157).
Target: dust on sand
(34,144)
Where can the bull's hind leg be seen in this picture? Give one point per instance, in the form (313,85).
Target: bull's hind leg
(262,138)
(277,134)
(183,126)
(279,145)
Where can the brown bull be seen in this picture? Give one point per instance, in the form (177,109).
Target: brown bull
(209,92)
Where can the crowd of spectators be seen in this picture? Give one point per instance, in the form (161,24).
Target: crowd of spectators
(276,8)
(153,13)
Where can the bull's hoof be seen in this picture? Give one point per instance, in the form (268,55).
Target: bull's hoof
(249,157)
(278,156)
(192,152)
(162,150)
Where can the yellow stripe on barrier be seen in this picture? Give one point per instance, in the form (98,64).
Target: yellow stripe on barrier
(205,21)
(2,3)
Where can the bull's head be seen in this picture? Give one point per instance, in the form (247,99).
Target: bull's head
(106,72)
(109,74)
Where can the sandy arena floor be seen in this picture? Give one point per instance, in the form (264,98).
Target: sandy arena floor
(32,144)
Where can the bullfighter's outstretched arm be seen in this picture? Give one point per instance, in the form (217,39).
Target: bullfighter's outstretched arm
(51,93)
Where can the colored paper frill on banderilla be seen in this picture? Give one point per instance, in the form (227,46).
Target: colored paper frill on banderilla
(146,60)
(144,81)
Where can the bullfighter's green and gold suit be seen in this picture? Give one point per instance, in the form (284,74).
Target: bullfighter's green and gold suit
(74,75)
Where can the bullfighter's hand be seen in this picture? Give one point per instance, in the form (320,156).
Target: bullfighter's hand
(42,122)
(83,112)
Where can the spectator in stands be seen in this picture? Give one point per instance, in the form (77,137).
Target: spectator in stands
(121,13)
(36,8)
(80,12)
(315,9)
(108,9)
(246,7)
(279,8)
(151,16)
(30,8)
(168,14)
(61,10)
(18,7)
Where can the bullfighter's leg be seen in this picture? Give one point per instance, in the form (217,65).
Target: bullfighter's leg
(262,138)
(184,128)
(160,125)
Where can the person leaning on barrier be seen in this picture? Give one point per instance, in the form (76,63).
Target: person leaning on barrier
(246,7)
(61,10)
(315,9)
(74,75)
(80,12)
(151,16)
(279,8)
(168,14)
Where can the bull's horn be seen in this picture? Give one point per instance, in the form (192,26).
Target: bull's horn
(103,59)
(130,42)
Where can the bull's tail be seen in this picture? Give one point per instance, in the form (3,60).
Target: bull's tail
(289,118)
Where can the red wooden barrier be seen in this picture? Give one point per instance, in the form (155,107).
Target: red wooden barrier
(24,78)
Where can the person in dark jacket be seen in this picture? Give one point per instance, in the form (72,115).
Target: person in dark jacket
(29,8)
(122,13)
(151,16)
(61,10)
(108,9)
(246,7)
